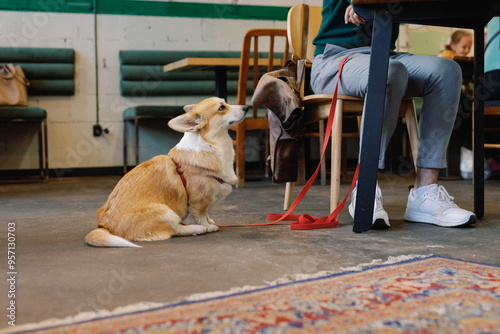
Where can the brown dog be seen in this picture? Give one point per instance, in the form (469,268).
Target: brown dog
(151,201)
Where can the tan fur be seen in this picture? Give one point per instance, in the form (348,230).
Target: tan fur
(150,202)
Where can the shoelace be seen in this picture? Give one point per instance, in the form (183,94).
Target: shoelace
(444,197)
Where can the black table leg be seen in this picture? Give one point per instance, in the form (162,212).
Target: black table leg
(373,117)
(221,82)
(478,122)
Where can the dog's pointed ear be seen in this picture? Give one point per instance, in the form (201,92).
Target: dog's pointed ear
(189,107)
(189,122)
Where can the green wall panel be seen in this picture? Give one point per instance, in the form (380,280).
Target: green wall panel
(151,8)
(13,4)
(58,6)
(186,9)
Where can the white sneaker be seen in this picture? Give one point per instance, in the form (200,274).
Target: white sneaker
(380,216)
(433,205)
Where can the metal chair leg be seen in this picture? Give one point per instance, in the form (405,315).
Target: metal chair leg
(125,157)
(136,122)
(43,156)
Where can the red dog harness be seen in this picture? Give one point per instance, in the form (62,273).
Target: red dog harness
(180,172)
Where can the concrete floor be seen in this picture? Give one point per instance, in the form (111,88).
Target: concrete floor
(59,275)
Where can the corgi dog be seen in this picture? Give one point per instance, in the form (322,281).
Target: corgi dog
(152,200)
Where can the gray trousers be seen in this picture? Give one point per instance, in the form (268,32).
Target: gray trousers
(437,80)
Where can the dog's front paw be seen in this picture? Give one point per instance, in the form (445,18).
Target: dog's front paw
(212,228)
(191,229)
(199,229)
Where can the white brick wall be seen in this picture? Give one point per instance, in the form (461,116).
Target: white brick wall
(70,119)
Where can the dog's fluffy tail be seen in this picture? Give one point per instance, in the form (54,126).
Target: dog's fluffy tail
(103,238)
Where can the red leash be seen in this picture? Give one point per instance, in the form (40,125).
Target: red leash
(305,221)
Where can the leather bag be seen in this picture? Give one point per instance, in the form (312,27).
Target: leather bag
(13,86)
(278,92)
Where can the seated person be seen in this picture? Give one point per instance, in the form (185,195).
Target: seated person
(342,32)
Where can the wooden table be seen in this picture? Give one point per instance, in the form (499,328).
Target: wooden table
(470,15)
(219,65)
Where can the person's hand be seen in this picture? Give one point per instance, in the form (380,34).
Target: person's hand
(352,17)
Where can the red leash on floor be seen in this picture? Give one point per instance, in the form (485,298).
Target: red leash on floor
(305,221)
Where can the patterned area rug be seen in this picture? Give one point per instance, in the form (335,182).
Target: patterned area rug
(425,295)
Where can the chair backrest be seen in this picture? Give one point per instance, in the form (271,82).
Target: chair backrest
(142,75)
(267,58)
(300,35)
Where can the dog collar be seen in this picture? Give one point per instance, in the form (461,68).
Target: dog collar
(221,181)
(181,174)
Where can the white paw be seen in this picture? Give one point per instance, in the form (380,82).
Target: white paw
(212,228)
(196,229)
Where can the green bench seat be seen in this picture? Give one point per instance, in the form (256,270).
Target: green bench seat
(50,71)
(142,76)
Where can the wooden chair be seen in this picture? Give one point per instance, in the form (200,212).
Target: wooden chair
(302,26)
(251,57)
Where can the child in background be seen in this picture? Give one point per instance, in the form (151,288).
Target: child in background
(458,44)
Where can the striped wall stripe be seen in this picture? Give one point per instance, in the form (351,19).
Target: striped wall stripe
(150,8)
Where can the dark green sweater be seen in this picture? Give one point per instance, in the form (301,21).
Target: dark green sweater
(333,29)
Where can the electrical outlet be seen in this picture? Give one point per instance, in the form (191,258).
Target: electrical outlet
(97,130)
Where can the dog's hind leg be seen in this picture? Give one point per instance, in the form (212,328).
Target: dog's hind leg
(159,222)
(174,222)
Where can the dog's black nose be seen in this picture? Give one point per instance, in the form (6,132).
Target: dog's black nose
(245,109)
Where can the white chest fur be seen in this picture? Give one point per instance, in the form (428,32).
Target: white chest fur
(222,148)
(192,141)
